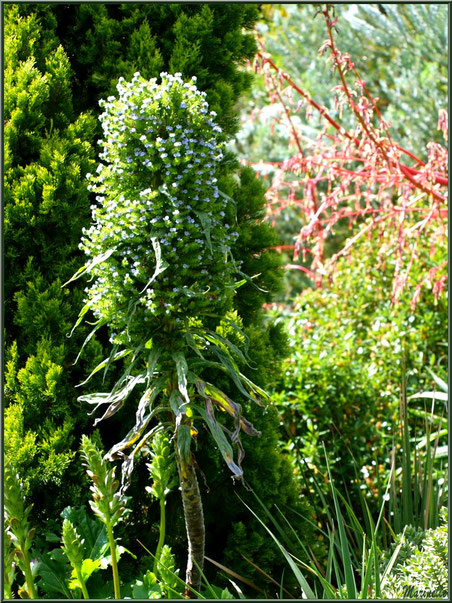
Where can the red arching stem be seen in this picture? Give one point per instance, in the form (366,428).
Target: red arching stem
(286,109)
(407,171)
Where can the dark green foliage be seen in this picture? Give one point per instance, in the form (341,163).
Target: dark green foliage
(46,203)
(250,248)
(105,41)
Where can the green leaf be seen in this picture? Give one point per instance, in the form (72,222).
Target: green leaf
(206,224)
(226,345)
(182,369)
(91,531)
(83,311)
(54,572)
(160,264)
(184,441)
(345,550)
(176,403)
(147,588)
(439,382)
(120,550)
(207,390)
(299,576)
(99,324)
(115,399)
(114,356)
(431,395)
(90,265)
(89,567)
(154,355)
(223,445)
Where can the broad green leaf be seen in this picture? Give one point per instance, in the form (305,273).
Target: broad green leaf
(91,531)
(89,567)
(54,571)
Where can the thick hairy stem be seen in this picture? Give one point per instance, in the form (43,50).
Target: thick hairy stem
(194,523)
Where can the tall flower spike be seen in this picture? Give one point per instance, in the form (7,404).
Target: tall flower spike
(164,258)
(163,278)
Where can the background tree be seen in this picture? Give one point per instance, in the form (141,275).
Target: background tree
(46,204)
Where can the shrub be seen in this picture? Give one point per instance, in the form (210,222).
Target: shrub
(350,349)
(45,206)
(421,570)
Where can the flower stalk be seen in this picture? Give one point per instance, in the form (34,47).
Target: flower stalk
(73,551)
(163,278)
(107,503)
(19,531)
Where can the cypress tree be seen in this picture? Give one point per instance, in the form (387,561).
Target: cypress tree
(46,203)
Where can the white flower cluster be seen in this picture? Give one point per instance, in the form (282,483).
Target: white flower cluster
(157,196)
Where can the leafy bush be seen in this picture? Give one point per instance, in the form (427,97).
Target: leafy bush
(46,202)
(350,349)
(422,567)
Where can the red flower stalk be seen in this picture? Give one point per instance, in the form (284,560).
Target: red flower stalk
(360,174)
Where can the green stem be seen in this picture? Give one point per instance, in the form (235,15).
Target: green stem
(82,582)
(114,563)
(161,541)
(28,576)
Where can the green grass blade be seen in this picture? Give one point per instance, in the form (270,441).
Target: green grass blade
(394,556)
(345,550)
(298,575)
